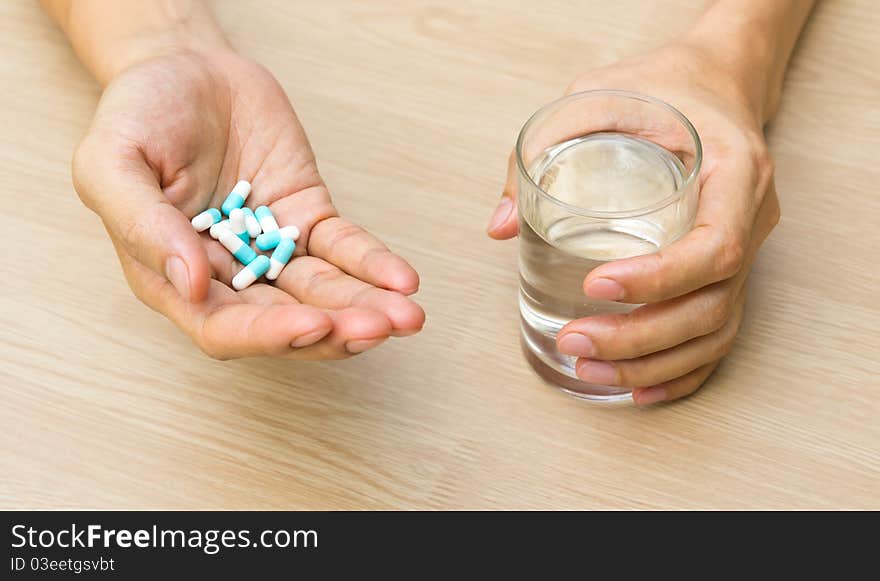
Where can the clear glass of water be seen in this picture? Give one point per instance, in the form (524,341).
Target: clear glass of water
(603,175)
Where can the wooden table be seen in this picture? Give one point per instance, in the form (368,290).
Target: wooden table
(412,108)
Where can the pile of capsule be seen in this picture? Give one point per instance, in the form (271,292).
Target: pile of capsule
(235,234)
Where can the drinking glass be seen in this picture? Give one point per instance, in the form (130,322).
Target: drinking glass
(603,175)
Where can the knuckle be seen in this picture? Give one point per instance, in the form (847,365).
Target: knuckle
(613,339)
(630,374)
(661,264)
(719,310)
(132,231)
(341,231)
(730,254)
(626,336)
(84,157)
(762,162)
(321,276)
(775,210)
(723,348)
(762,159)
(729,332)
(137,230)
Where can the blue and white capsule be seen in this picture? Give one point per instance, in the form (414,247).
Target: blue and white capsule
(250,220)
(206,219)
(269,240)
(280,257)
(237,225)
(236,197)
(250,273)
(241,251)
(266,219)
(217,228)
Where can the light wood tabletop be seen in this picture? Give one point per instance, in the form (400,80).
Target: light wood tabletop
(412,109)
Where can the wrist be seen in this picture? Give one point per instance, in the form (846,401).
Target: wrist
(737,76)
(716,80)
(111,42)
(131,51)
(751,41)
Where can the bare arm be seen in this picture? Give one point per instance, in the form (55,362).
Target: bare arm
(110,36)
(753,41)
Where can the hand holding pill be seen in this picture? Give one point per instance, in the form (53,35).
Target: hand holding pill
(178,137)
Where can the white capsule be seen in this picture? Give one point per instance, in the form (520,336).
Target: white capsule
(237,225)
(206,219)
(217,228)
(291,232)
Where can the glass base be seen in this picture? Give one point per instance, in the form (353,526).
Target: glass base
(559,371)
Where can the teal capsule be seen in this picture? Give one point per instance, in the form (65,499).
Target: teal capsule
(206,219)
(236,197)
(241,251)
(269,240)
(250,273)
(280,257)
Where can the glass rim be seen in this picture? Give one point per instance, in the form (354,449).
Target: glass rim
(675,195)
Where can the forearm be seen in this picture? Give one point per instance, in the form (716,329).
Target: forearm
(111,35)
(753,41)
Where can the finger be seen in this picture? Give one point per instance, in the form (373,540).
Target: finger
(360,254)
(714,250)
(355,330)
(301,208)
(117,183)
(652,327)
(664,365)
(662,325)
(317,282)
(249,330)
(677,388)
(363,316)
(223,325)
(266,294)
(504,221)
(313,281)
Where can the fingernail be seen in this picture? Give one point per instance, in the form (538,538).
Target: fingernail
(361,345)
(309,338)
(502,213)
(649,395)
(576,344)
(604,288)
(600,372)
(178,274)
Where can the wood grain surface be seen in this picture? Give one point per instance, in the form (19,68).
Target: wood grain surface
(412,108)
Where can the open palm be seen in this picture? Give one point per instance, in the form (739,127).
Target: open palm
(170,138)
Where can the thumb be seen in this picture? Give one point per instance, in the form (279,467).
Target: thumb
(503,224)
(123,190)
